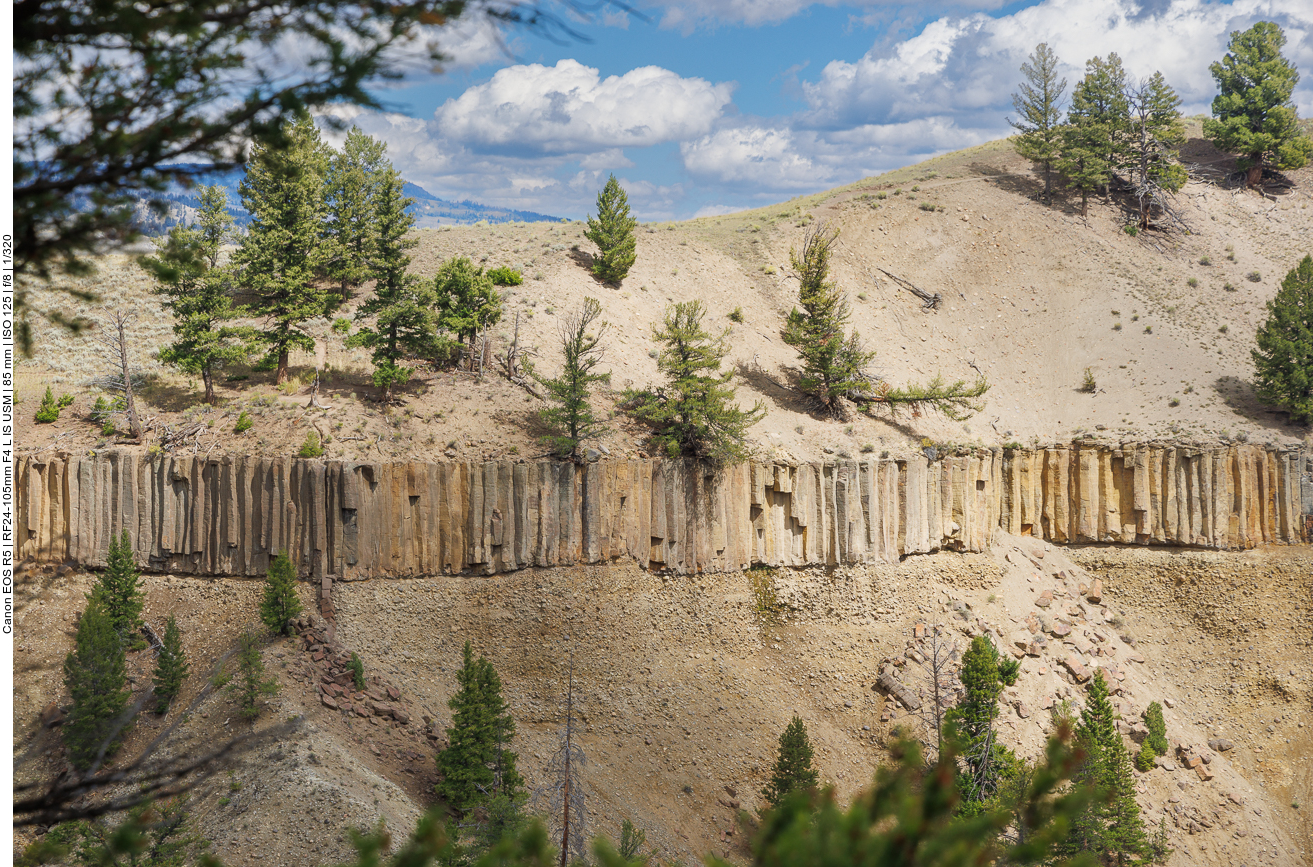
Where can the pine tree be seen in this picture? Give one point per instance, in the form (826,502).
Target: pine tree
(280,603)
(1096,140)
(506,779)
(1155,135)
(1153,720)
(282,256)
(351,185)
(613,233)
(694,413)
(1253,114)
(987,762)
(119,591)
(171,668)
(467,300)
(833,363)
(1110,825)
(403,306)
(1283,360)
(476,763)
(199,293)
(250,682)
(1039,106)
(572,421)
(95,674)
(793,765)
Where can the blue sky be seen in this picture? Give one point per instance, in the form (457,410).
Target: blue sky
(714,106)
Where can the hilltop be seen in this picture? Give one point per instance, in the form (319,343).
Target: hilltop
(1032,296)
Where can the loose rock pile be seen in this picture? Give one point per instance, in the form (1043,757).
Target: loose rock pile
(326,666)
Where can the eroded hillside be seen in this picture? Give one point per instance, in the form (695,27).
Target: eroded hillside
(686,682)
(1032,296)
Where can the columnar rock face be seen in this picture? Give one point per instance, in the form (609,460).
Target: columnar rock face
(230,515)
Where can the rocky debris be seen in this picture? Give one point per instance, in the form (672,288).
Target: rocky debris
(1076,667)
(890,684)
(1095,593)
(1221,745)
(334,682)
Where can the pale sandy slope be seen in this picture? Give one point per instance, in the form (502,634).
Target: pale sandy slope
(1032,296)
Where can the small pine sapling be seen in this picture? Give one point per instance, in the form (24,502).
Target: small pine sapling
(95,674)
(244,422)
(1153,719)
(171,668)
(118,589)
(280,603)
(357,669)
(793,765)
(312,447)
(50,408)
(613,233)
(250,683)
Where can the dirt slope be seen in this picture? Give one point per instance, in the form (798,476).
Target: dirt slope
(1032,296)
(685,689)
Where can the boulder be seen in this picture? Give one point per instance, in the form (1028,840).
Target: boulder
(1095,594)
(1221,745)
(1076,667)
(328,701)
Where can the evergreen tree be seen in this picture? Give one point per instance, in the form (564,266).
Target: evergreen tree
(987,762)
(572,421)
(833,364)
(476,764)
(1038,105)
(95,673)
(352,184)
(1110,825)
(1253,114)
(793,765)
(613,233)
(282,256)
(199,293)
(1283,361)
(1153,719)
(119,591)
(280,603)
(403,306)
(467,300)
(1096,140)
(250,682)
(1156,134)
(171,668)
(694,413)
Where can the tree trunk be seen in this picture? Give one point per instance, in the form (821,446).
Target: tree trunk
(133,424)
(207,376)
(1255,173)
(1084,203)
(282,368)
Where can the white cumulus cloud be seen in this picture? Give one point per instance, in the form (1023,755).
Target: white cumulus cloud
(570,108)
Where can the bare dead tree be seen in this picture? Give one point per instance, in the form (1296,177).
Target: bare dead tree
(564,789)
(515,361)
(939,661)
(114,341)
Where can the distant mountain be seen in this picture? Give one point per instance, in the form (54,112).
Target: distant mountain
(428,209)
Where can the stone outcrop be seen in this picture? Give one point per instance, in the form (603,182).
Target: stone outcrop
(230,515)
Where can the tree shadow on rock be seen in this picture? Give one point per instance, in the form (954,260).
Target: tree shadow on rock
(786,393)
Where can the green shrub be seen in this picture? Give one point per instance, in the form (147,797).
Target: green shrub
(50,408)
(506,276)
(1088,385)
(1192,282)
(1229,287)
(1153,719)
(244,423)
(1174,402)
(357,669)
(311,448)
(1222,330)
(1144,759)
(1255,277)
(1205,261)
(1116,326)
(1009,670)
(280,602)
(736,315)
(1131,230)
(926,206)
(1148,329)
(341,325)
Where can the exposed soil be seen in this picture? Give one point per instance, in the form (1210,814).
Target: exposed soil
(1032,296)
(685,687)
